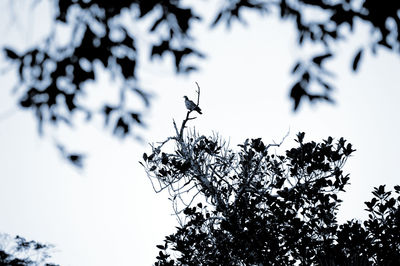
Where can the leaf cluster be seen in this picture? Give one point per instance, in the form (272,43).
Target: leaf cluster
(266,209)
(332,24)
(21,252)
(52,75)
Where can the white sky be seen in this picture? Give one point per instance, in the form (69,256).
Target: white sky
(108,214)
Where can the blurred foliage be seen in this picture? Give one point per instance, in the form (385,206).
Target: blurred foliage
(20,252)
(326,26)
(52,75)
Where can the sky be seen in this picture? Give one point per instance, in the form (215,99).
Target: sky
(108,213)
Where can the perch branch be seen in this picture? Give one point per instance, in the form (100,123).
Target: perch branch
(180,136)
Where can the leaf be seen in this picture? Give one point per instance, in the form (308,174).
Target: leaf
(26,102)
(296,93)
(324,84)
(188,69)
(318,60)
(136,117)
(306,77)
(296,67)
(107,111)
(11,54)
(300,136)
(121,127)
(76,159)
(179,55)
(164,159)
(356,60)
(145,96)
(216,20)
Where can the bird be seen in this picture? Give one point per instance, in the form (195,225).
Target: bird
(191,106)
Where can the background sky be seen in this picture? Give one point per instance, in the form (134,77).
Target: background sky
(108,213)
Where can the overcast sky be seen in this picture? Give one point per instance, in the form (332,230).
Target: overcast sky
(108,214)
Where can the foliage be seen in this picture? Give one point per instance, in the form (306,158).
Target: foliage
(19,251)
(259,208)
(52,74)
(330,22)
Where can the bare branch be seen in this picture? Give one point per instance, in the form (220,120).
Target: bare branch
(188,118)
(278,144)
(198,94)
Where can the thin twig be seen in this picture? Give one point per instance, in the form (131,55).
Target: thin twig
(280,143)
(198,94)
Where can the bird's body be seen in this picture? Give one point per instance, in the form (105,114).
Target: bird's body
(191,106)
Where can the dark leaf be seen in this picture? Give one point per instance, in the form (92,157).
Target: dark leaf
(188,69)
(161,247)
(145,96)
(107,111)
(306,77)
(296,94)
(318,60)
(324,84)
(300,137)
(26,102)
(217,19)
(296,67)
(356,60)
(164,158)
(136,117)
(76,159)
(11,54)
(121,127)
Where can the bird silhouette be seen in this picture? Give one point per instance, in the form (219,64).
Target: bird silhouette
(191,106)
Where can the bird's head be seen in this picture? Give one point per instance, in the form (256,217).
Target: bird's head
(186,98)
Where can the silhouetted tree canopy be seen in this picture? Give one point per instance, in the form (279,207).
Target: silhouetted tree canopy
(53,74)
(20,252)
(256,207)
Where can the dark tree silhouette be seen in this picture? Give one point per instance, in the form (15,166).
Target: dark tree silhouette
(20,252)
(259,208)
(52,75)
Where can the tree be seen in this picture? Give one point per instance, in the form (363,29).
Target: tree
(53,74)
(255,207)
(18,251)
